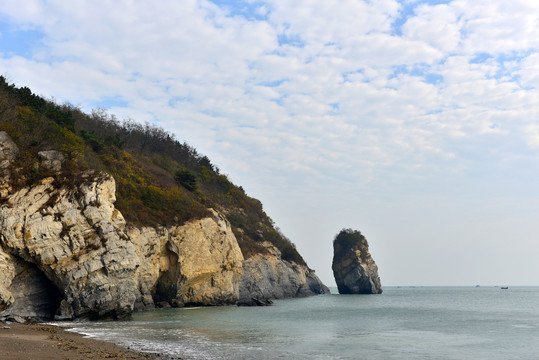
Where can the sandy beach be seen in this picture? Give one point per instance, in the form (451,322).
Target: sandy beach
(38,341)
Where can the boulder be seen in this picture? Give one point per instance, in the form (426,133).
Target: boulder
(353,266)
(64,312)
(176,303)
(8,153)
(163,305)
(51,159)
(8,150)
(255,302)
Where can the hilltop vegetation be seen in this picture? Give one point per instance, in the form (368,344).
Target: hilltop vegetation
(348,239)
(159,180)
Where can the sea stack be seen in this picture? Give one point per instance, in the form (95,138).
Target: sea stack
(353,267)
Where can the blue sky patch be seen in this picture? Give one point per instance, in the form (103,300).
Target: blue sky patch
(275,83)
(290,39)
(407,11)
(252,10)
(398,70)
(481,58)
(112,102)
(419,71)
(16,42)
(433,78)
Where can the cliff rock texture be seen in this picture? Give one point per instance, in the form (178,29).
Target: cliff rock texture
(353,267)
(269,277)
(66,252)
(199,263)
(76,243)
(75,239)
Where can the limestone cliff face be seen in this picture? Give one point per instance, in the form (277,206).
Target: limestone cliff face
(353,266)
(75,239)
(66,252)
(269,277)
(76,244)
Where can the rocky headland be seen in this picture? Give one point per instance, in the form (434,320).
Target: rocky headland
(353,266)
(66,252)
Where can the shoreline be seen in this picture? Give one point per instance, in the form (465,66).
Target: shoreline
(50,342)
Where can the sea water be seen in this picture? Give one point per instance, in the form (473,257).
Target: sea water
(402,323)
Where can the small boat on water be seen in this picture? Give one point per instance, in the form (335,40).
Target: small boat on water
(504,287)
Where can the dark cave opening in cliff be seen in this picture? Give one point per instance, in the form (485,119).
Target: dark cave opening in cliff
(35,296)
(166,288)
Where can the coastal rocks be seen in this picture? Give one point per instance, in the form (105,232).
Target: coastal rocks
(66,252)
(255,302)
(74,239)
(270,277)
(77,245)
(353,267)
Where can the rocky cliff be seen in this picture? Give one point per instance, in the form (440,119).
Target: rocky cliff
(269,277)
(67,252)
(353,266)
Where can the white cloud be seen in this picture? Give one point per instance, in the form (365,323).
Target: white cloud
(498,27)
(529,71)
(437,26)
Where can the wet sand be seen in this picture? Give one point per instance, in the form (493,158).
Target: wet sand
(38,341)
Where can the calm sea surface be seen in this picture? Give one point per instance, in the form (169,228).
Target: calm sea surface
(402,323)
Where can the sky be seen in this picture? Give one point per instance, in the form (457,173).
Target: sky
(415,122)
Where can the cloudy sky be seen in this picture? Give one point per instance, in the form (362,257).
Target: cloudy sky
(415,122)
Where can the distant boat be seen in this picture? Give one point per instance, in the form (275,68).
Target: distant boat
(504,287)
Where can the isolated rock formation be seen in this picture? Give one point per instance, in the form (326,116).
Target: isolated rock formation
(353,267)
(66,252)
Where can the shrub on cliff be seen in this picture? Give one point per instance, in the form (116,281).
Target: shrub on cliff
(186,178)
(347,239)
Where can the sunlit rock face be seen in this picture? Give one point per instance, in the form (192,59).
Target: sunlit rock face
(198,263)
(353,267)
